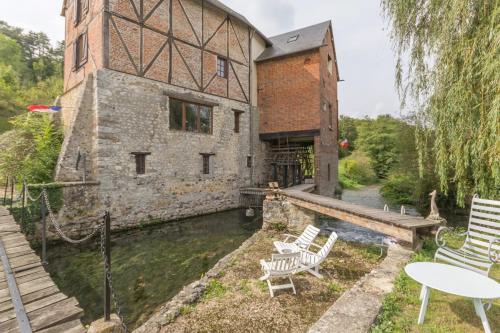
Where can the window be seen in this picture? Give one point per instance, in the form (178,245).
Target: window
(140,162)
(237,115)
(80,51)
(81,8)
(221,67)
(292,39)
(206,163)
(249,161)
(330,117)
(330,65)
(329,172)
(190,117)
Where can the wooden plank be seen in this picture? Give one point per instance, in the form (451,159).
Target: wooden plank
(48,310)
(74,326)
(33,306)
(55,314)
(4,306)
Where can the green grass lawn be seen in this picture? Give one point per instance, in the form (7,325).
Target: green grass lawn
(445,312)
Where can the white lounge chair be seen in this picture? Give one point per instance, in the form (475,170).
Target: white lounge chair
(300,243)
(280,266)
(310,262)
(481,249)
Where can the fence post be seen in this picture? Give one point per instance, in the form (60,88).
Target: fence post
(107,289)
(6,188)
(24,199)
(43,212)
(12,183)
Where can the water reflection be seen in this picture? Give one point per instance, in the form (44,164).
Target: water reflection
(149,265)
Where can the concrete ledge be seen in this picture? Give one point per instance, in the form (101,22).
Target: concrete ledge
(356,310)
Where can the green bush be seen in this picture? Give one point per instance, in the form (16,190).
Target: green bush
(31,148)
(399,189)
(356,170)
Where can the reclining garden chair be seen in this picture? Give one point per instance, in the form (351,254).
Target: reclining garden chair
(303,242)
(481,249)
(280,266)
(310,261)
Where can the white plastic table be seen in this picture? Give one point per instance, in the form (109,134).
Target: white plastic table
(454,280)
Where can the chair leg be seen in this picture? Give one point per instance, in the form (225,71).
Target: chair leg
(270,286)
(293,286)
(315,272)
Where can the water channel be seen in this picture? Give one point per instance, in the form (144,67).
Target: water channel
(152,264)
(149,265)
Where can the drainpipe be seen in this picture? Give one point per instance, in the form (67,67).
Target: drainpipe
(250,60)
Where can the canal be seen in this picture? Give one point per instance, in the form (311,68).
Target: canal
(149,265)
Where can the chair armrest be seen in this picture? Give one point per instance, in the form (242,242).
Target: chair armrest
(494,255)
(316,245)
(440,233)
(289,236)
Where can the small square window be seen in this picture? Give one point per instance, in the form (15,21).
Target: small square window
(206,163)
(140,163)
(222,67)
(80,51)
(292,39)
(81,8)
(237,115)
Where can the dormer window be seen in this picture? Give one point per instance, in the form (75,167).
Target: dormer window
(292,39)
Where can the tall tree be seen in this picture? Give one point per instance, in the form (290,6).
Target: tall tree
(451,80)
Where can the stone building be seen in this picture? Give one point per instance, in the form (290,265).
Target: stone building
(177,104)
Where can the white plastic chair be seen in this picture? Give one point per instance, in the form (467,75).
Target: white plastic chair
(481,249)
(280,266)
(310,262)
(302,242)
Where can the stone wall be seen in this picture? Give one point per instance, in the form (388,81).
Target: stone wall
(131,114)
(279,213)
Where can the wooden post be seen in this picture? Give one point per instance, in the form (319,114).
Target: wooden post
(24,199)
(6,188)
(43,212)
(107,250)
(12,183)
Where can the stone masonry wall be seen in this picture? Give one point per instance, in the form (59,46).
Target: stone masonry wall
(133,116)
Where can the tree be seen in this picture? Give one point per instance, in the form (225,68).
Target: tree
(451,80)
(347,130)
(378,138)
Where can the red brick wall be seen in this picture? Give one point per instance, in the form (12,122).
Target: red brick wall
(325,146)
(289,93)
(92,24)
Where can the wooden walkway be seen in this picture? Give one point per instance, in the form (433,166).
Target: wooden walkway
(27,291)
(403,227)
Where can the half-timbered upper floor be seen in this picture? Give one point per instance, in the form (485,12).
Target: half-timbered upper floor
(197,44)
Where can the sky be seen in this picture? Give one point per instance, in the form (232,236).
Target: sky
(364,53)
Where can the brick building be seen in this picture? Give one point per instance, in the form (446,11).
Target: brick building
(177,104)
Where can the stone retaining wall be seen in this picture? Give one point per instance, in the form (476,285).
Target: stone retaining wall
(356,310)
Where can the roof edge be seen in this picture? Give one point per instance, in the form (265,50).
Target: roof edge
(288,54)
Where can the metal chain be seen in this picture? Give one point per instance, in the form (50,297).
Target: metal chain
(110,280)
(28,195)
(58,227)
